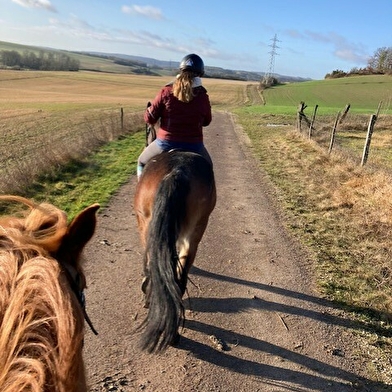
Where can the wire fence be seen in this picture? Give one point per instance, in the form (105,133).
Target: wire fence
(39,143)
(363,138)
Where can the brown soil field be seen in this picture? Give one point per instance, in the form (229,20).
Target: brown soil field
(48,117)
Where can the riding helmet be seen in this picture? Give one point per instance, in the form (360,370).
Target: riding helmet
(192,62)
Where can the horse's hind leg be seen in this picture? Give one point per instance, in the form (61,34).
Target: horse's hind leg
(186,257)
(143,207)
(187,249)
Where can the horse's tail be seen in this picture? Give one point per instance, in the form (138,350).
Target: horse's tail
(165,296)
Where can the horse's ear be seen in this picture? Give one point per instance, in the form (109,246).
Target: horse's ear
(82,227)
(80,230)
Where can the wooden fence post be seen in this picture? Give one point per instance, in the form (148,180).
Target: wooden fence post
(312,122)
(301,115)
(333,133)
(346,109)
(122,118)
(372,122)
(379,108)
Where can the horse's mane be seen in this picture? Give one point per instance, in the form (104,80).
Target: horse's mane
(41,328)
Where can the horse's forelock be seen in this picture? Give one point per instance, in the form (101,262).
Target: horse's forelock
(44,225)
(47,225)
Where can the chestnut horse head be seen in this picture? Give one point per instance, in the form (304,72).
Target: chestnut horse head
(41,284)
(173,201)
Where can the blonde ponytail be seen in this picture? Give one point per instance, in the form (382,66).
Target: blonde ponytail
(182,87)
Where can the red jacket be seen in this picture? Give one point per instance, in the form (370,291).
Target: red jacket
(180,121)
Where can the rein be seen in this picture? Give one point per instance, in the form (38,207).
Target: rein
(151,134)
(75,286)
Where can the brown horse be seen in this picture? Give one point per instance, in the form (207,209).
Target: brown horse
(174,199)
(41,298)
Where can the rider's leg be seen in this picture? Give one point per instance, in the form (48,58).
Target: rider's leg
(149,152)
(203,152)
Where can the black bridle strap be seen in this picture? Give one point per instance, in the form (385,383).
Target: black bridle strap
(86,317)
(74,283)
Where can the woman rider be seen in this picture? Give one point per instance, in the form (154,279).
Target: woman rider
(182,108)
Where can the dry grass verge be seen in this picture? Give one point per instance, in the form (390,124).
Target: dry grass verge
(342,212)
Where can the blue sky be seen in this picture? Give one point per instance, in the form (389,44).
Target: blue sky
(315,38)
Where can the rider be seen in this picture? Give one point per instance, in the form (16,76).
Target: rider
(183,108)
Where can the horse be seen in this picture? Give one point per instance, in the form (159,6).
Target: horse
(41,297)
(173,201)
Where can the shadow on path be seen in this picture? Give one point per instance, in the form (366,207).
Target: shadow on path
(323,379)
(240,304)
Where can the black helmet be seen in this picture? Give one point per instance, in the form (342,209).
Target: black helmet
(192,62)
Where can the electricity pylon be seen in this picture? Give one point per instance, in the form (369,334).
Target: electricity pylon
(269,74)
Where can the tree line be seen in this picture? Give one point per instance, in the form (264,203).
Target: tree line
(379,64)
(44,61)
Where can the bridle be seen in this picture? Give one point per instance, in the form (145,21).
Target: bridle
(75,284)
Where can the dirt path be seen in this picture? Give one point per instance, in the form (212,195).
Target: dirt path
(251,289)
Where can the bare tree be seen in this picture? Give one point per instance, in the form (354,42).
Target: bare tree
(381,61)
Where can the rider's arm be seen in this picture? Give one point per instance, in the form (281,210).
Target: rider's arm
(154,111)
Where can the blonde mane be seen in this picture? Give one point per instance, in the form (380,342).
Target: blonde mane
(41,322)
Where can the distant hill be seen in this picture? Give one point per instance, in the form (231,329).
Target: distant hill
(213,72)
(123,63)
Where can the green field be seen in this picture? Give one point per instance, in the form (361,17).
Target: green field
(363,93)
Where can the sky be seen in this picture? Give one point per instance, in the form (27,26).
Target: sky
(313,38)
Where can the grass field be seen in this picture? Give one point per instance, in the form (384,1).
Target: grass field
(341,212)
(363,93)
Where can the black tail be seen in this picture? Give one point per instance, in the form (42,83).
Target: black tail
(165,297)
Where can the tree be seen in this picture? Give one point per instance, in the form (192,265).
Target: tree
(45,61)
(381,61)
(29,60)
(337,73)
(10,58)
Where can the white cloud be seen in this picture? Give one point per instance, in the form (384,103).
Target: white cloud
(76,28)
(342,48)
(144,10)
(74,33)
(45,4)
